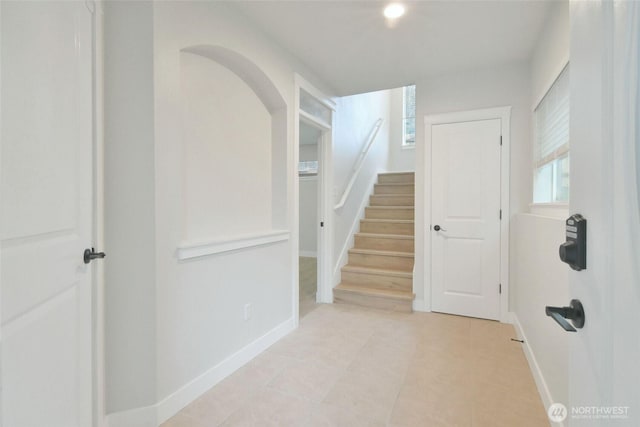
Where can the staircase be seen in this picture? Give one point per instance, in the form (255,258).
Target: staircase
(379,273)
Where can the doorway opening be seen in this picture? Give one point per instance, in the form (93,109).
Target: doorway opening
(312,199)
(310,177)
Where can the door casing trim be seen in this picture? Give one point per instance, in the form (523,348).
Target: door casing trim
(504,114)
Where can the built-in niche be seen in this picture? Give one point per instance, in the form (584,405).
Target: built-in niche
(234,139)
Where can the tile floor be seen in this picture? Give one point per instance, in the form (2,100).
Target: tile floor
(351,366)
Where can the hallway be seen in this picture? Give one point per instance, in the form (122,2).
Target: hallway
(352,366)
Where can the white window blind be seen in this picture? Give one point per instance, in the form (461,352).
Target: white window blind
(552,122)
(551,149)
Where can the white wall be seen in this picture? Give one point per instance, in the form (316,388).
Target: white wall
(539,278)
(174,327)
(130,309)
(227,186)
(507,84)
(354,120)
(400,159)
(551,52)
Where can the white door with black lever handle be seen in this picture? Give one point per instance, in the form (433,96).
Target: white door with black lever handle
(46,198)
(465,215)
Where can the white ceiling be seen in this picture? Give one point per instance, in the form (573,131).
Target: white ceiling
(350,46)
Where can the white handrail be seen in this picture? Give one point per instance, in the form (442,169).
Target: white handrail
(359,163)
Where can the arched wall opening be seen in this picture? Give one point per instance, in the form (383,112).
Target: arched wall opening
(235,146)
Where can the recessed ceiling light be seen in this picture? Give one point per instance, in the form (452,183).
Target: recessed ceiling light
(394,10)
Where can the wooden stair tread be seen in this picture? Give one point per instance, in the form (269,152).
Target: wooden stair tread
(377,271)
(385,293)
(385,236)
(388,220)
(381,253)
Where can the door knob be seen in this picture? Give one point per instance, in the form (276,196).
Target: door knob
(91,254)
(438,228)
(575,313)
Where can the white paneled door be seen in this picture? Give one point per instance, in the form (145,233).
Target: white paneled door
(465,218)
(46,213)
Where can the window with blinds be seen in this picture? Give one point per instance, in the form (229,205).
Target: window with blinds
(551,148)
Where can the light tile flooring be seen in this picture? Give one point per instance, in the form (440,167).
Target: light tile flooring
(308,275)
(351,366)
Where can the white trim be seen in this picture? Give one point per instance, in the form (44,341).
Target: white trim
(302,83)
(313,121)
(408,147)
(419,305)
(172,404)
(188,250)
(308,254)
(325,213)
(355,226)
(504,114)
(541,384)
(138,417)
(551,210)
(99,324)
(154,415)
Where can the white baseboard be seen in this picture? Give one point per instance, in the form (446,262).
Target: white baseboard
(152,416)
(541,384)
(173,403)
(138,417)
(309,254)
(348,244)
(418,305)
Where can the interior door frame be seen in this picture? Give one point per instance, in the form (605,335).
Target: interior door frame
(99,325)
(504,114)
(325,184)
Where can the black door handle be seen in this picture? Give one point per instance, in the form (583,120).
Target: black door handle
(575,313)
(438,228)
(91,254)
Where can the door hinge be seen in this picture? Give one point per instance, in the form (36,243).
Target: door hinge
(321,223)
(500,288)
(500,214)
(500,140)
